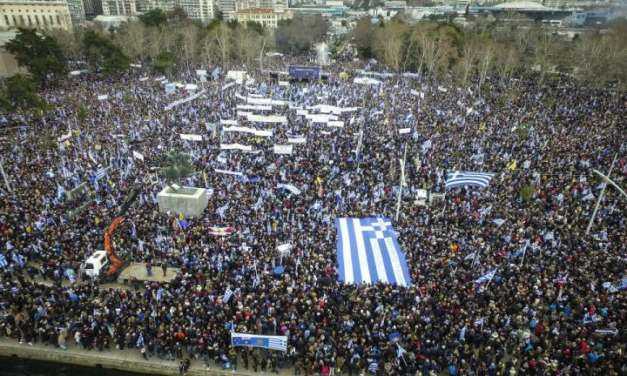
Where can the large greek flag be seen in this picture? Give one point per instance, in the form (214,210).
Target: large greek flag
(254,340)
(368,252)
(465,178)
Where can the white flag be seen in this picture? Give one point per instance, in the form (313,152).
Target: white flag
(138,155)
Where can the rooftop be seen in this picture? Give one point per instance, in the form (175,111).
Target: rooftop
(520,5)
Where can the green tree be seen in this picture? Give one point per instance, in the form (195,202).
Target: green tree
(81,113)
(154,18)
(164,62)
(298,35)
(39,53)
(103,54)
(19,93)
(363,36)
(526,193)
(177,166)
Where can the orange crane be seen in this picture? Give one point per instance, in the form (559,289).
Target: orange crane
(116,263)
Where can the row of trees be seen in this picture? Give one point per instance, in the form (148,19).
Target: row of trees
(437,49)
(163,41)
(168,41)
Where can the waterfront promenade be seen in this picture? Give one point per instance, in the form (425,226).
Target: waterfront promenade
(130,361)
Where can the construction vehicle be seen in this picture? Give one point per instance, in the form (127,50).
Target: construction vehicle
(114,261)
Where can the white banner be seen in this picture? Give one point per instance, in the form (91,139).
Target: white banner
(228,172)
(229,85)
(65,137)
(184,100)
(237,76)
(103,97)
(190,137)
(284,249)
(290,188)
(366,81)
(283,149)
(201,72)
(296,140)
(328,109)
(321,118)
(138,155)
(264,342)
(336,124)
(267,118)
(251,107)
(404,130)
(236,147)
(228,122)
(258,133)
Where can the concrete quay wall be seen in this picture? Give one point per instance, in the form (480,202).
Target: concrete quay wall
(129,361)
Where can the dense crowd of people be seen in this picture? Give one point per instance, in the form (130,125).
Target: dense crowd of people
(554,305)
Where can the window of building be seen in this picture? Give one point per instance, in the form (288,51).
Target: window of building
(51,20)
(45,20)
(37,19)
(6,20)
(58,20)
(14,20)
(22,20)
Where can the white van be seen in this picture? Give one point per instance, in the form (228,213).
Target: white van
(95,264)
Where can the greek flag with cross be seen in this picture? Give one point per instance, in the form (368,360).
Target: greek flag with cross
(368,252)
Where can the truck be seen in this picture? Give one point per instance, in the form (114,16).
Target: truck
(95,265)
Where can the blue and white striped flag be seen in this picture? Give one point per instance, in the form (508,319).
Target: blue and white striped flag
(227,295)
(3,261)
(100,173)
(486,277)
(462,178)
(368,252)
(264,342)
(18,259)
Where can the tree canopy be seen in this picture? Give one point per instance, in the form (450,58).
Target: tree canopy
(298,35)
(103,54)
(154,18)
(19,93)
(39,53)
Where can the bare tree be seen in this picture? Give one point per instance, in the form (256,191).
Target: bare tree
(389,44)
(188,44)
(222,37)
(132,40)
(70,42)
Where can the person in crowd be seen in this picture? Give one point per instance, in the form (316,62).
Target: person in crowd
(555,303)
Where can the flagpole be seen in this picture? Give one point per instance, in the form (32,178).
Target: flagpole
(596,208)
(401,184)
(607,179)
(523,255)
(4,176)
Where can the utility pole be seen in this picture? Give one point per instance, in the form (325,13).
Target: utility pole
(596,208)
(401,183)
